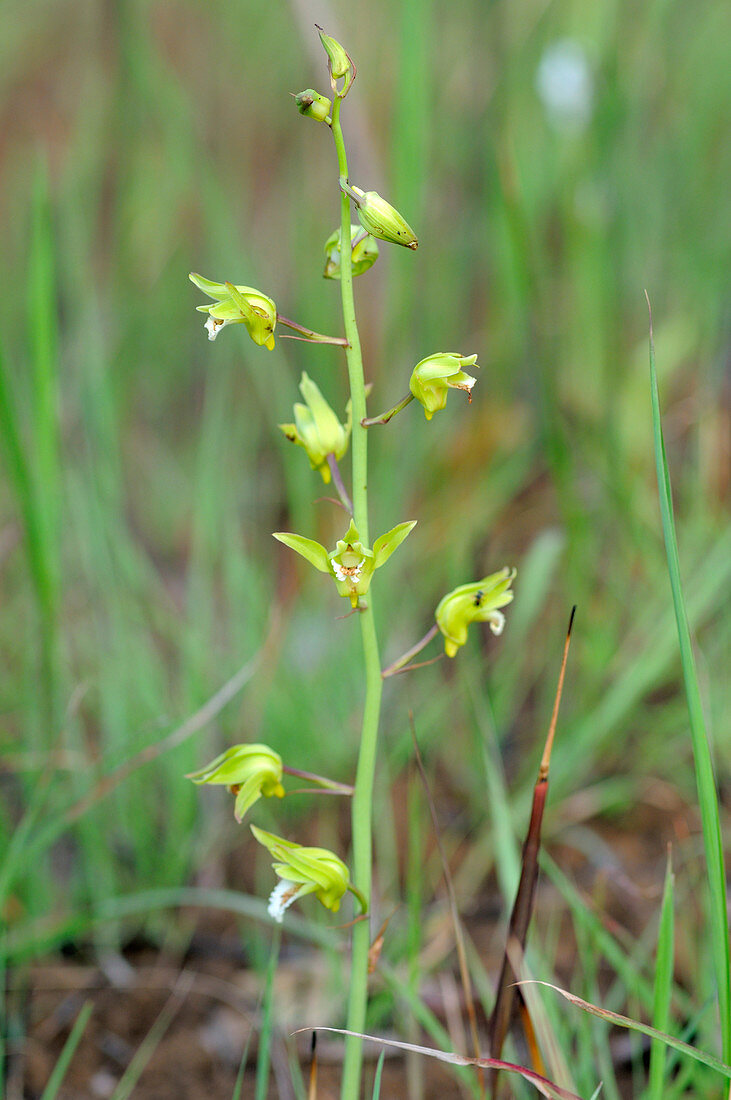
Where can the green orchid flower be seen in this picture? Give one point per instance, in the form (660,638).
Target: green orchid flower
(235,305)
(249,770)
(317,429)
(305,871)
(478,602)
(433,377)
(351,564)
(364,252)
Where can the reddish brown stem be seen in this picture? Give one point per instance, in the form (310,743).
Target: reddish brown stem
(507,993)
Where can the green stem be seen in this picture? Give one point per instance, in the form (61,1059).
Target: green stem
(363,797)
(370,421)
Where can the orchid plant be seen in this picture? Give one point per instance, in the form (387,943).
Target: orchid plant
(257,770)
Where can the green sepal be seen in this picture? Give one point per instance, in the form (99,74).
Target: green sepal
(385,545)
(312,551)
(213,290)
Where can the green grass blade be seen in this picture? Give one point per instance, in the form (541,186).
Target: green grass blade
(69,1047)
(507,853)
(618,1020)
(3,1008)
(39,557)
(129,1079)
(267,1021)
(705,780)
(377,1079)
(46,471)
(239,1082)
(663,986)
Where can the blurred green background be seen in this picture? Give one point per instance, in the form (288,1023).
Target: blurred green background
(555,159)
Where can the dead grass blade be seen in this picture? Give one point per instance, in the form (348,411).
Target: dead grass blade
(616,1018)
(523,906)
(542,1084)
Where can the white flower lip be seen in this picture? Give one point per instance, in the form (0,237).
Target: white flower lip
(348,572)
(213,327)
(496,622)
(281,897)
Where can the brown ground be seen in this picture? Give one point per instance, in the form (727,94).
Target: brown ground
(208,997)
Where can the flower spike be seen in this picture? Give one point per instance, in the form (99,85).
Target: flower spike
(249,770)
(478,602)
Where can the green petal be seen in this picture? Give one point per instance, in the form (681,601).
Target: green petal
(249,793)
(226,311)
(312,551)
(351,536)
(438,366)
(384,546)
(244,306)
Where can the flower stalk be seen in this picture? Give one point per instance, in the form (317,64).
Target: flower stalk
(308,334)
(361,813)
(255,771)
(371,421)
(345,500)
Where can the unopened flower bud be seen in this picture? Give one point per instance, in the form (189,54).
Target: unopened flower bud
(317,428)
(382,220)
(433,377)
(364,252)
(478,602)
(314,105)
(339,61)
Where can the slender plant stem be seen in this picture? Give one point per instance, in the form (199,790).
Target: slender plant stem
(320,780)
(309,334)
(406,657)
(384,418)
(363,797)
